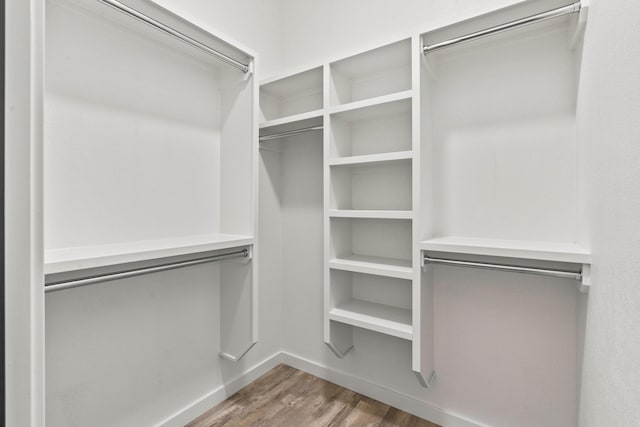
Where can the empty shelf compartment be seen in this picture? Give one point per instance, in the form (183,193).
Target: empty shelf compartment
(375,246)
(293,95)
(380,186)
(378,72)
(374,129)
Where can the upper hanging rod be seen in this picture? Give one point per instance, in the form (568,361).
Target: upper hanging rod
(74,283)
(572,8)
(176,34)
(505,267)
(289,133)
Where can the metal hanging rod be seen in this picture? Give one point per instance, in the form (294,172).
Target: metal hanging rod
(289,133)
(505,267)
(176,34)
(554,13)
(74,283)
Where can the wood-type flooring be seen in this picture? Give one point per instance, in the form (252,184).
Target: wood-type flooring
(287,397)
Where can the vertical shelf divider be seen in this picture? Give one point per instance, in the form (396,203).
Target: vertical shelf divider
(337,336)
(422,291)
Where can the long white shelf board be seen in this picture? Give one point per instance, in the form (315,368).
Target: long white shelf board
(291,119)
(371,159)
(378,214)
(544,251)
(388,267)
(375,317)
(78,258)
(372,102)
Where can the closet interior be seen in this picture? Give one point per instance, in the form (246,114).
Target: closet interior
(456,147)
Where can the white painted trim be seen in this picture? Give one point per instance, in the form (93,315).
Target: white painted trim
(375,391)
(24,291)
(219,394)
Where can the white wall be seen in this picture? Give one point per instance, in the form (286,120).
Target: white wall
(611,106)
(316,30)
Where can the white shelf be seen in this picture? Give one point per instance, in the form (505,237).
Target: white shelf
(377,214)
(292,119)
(389,267)
(371,159)
(375,317)
(544,251)
(391,107)
(79,258)
(291,85)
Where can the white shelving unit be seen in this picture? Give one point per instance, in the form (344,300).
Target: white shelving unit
(371,189)
(150,152)
(501,157)
(439,155)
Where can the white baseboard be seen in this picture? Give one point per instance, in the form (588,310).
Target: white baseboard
(208,401)
(390,397)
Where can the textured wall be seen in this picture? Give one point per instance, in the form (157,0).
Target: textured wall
(611,107)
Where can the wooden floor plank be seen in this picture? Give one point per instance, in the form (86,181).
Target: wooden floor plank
(287,397)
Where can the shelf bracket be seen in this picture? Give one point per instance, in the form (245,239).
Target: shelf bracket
(340,339)
(423,263)
(339,353)
(238,357)
(246,259)
(426,383)
(578,28)
(585,282)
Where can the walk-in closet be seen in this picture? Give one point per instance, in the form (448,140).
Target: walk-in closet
(324,213)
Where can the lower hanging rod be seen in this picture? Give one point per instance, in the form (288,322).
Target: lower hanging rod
(505,267)
(91,280)
(289,133)
(120,7)
(554,13)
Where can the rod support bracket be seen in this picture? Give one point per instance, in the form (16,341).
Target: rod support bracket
(246,257)
(585,282)
(423,261)
(237,358)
